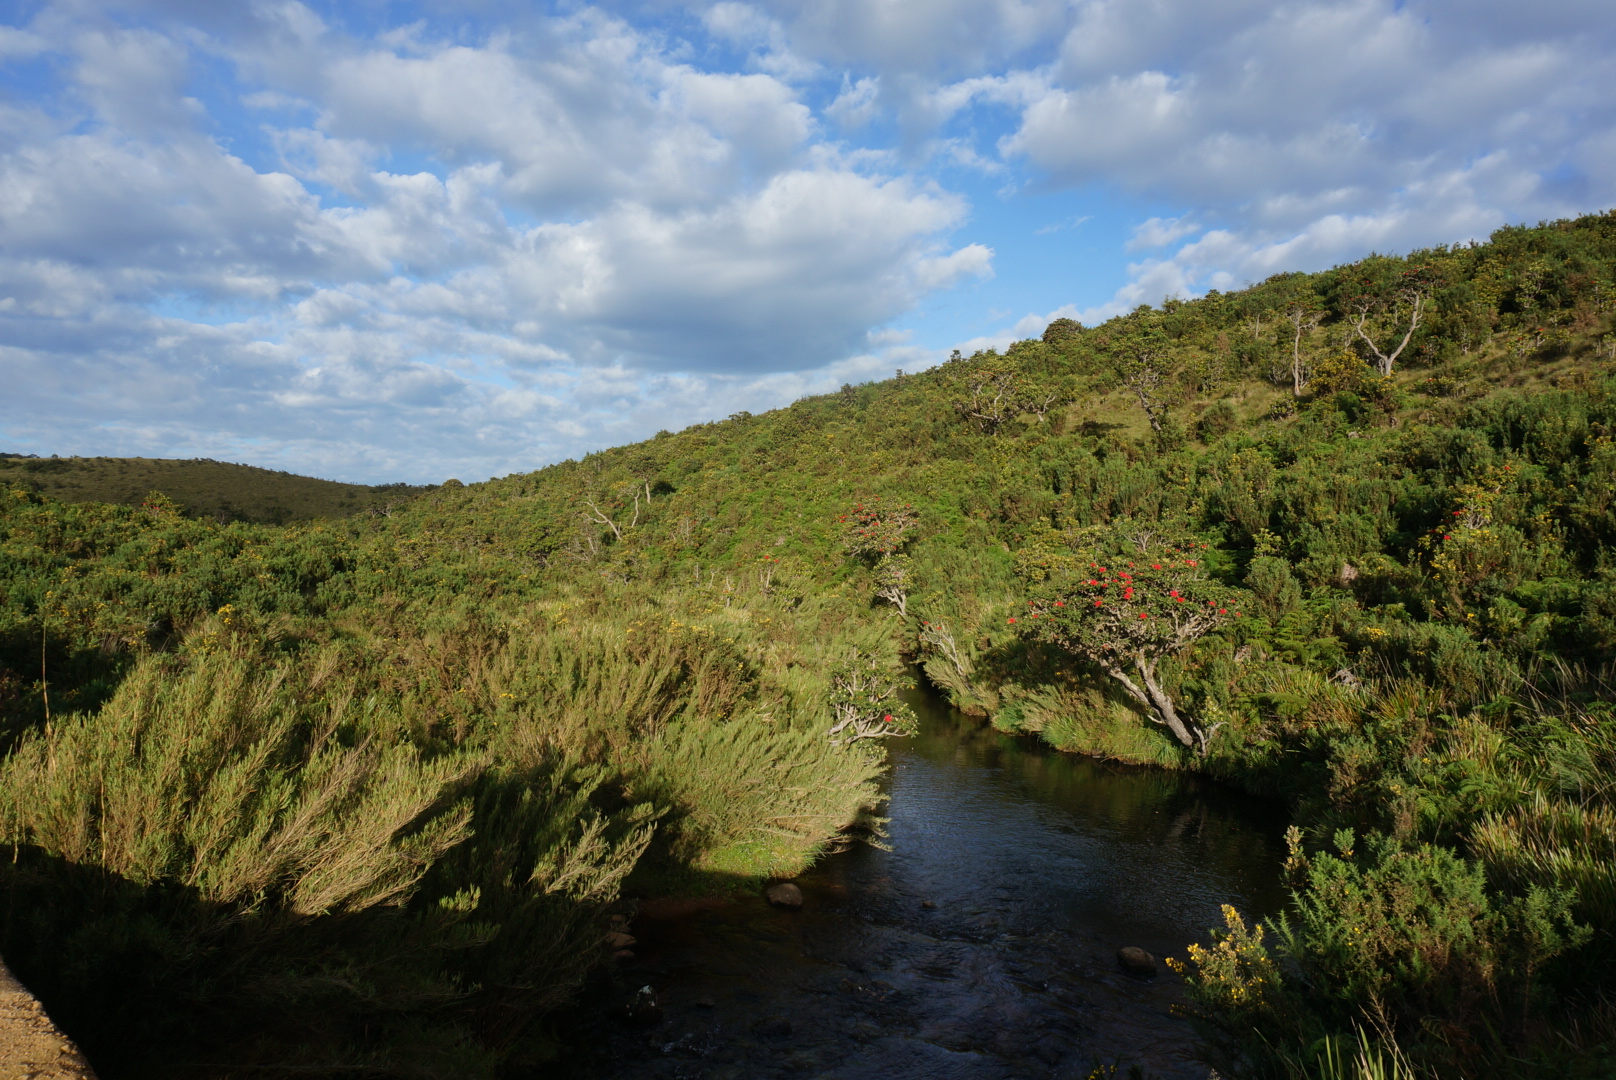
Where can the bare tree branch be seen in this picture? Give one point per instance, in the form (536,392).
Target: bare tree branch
(1415,298)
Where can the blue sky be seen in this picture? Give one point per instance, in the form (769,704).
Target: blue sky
(379,241)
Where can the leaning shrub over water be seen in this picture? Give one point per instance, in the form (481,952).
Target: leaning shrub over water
(755,795)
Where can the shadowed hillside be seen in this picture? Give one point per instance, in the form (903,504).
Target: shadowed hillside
(202,487)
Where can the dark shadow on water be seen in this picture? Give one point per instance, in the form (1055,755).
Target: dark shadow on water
(983,944)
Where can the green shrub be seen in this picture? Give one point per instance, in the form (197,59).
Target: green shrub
(1399,934)
(228,851)
(1216,421)
(755,796)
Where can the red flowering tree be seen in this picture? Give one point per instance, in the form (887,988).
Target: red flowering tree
(877,532)
(1124,598)
(875,529)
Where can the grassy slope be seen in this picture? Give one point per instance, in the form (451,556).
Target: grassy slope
(203,488)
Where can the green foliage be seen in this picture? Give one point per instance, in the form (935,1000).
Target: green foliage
(1153,601)
(1410,932)
(202,488)
(1277,591)
(1217,421)
(476,714)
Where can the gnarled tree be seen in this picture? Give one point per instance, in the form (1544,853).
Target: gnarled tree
(1125,598)
(864,702)
(990,390)
(1377,296)
(1137,349)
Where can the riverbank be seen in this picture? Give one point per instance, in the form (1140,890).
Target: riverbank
(31,1046)
(983,944)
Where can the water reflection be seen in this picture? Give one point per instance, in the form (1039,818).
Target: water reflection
(982,945)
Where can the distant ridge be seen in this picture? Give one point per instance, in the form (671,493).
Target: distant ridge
(202,487)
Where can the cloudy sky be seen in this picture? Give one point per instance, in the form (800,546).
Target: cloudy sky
(405,241)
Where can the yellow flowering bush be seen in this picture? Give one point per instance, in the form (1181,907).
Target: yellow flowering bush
(1234,977)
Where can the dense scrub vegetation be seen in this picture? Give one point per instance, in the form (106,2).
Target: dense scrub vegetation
(364,792)
(201,487)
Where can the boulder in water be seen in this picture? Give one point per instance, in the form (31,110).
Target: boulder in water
(643,1008)
(784,895)
(1136,961)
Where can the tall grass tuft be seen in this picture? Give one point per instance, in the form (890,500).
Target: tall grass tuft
(228,860)
(240,783)
(1359,1058)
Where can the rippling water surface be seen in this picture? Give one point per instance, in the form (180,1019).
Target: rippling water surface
(982,945)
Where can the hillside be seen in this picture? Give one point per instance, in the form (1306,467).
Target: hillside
(1340,538)
(203,488)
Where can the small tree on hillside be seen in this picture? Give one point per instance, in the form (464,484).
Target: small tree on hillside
(1374,295)
(988,398)
(1124,599)
(1137,349)
(990,390)
(1303,316)
(1062,332)
(622,510)
(864,702)
(877,532)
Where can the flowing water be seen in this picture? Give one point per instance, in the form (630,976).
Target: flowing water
(982,945)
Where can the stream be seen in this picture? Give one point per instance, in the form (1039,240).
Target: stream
(982,946)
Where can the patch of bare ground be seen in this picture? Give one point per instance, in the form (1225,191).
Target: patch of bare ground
(31,1047)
